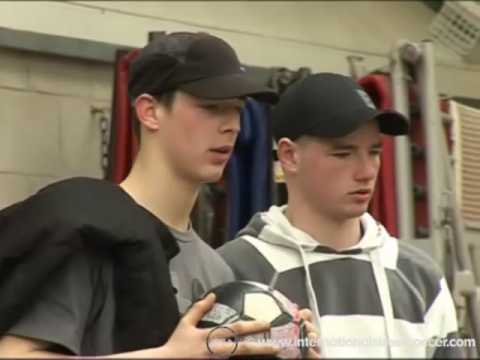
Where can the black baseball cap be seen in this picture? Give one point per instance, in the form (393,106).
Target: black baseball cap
(330,105)
(199,64)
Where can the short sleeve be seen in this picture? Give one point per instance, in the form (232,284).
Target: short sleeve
(60,312)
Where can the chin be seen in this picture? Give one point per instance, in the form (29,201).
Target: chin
(211,177)
(356,212)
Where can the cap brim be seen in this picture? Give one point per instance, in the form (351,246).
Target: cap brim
(228,87)
(392,122)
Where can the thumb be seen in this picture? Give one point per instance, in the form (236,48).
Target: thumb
(199,309)
(306,314)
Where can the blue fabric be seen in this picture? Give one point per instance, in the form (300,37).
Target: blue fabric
(249,171)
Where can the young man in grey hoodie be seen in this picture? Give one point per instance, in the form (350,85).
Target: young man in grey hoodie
(371,295)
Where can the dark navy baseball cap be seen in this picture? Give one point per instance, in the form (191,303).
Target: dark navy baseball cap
(199,64)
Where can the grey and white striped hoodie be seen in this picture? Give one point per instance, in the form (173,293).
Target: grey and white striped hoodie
(379,298)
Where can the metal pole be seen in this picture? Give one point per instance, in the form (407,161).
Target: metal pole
(431,124)
(438,186)
(357,70)
(403,162)
(464,280)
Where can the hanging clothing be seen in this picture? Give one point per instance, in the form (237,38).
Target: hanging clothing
(58,228)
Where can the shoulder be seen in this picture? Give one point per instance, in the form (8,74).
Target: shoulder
(247,261)
(427,277)
(413,259)
(82,203)
(72,211)
(418,268)
(407,257)
(69,196)
(74,184)
(235,248)
(204,250)
(193,245)
(79,189)
(241,252)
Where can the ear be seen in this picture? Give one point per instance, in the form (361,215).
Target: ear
(287,153)
(148,113)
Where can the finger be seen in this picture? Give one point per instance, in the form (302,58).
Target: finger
(312,338)
(239,328)
(249,327)
(199,309)
(222,332)
(309,327)
(221,348)
(312,335)
(313,348)
(306,314)
(256,348)
(312,353)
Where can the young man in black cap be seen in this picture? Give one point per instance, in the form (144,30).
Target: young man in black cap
(85,264)
(371,295)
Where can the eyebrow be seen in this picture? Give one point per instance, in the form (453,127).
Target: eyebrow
(229,102)
(342,146)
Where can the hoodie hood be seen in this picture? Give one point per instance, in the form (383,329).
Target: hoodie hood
(274,228)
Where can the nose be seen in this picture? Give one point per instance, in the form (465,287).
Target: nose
(367,169)
(230,122)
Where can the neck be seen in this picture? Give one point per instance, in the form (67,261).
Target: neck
(335,233)
(161,191)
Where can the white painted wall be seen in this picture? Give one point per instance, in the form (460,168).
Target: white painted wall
(46,130)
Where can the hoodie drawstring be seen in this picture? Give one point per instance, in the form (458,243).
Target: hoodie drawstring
(385,299)
(383,289)
(312,298)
